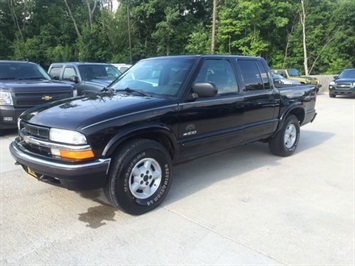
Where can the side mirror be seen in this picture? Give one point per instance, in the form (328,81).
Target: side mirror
(336,76)
(204,89)
(74,79)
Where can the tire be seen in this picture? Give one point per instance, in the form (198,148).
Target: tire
(140,176)
(332,95)
(285,142)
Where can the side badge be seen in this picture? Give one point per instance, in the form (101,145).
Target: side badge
(190,130)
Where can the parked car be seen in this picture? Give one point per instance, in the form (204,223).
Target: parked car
(122,67)
(85,77)
(24,85)
(343,84)
(281,80)
(293,74)
(162,111)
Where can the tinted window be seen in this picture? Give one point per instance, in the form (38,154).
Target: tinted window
(157,76)
(18,70)
(348,73)
(89,72)
(250,73)
(264,75)
(220,73)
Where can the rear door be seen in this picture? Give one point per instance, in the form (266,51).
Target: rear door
(261,99)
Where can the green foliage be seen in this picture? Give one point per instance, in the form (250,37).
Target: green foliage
(199,41)
(47,31)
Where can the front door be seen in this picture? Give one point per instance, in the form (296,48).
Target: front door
(213,123)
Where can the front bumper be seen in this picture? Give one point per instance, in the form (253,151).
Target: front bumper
(348,92)
(73,176)
(9,116)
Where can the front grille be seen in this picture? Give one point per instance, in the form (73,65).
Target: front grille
(38,133)
(25,99)
(35,131)
(38,149)
(343,85)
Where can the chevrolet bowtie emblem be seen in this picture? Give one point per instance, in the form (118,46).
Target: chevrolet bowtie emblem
(47,98)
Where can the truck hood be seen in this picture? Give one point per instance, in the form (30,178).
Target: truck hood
(81,112)
(26,85)
(345,80)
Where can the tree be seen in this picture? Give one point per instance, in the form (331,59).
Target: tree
(303,23)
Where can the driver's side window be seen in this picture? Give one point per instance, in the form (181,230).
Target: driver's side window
(220,73)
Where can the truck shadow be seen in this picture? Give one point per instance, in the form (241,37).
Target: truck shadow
(8,132)
(200,174)
(204,172)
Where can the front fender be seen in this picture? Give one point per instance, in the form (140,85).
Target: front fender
(151,131)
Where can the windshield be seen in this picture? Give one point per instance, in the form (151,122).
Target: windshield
(347,73)
(90,72)
(293,72)
(155,76)
(22,70)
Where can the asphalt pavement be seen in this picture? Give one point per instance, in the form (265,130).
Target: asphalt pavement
(244,206)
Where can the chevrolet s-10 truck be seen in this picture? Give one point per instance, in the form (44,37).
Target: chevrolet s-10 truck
(162,111)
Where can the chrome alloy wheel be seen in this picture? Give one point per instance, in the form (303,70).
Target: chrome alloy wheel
(145,178)
(290,136)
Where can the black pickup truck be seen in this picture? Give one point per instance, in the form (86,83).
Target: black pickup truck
(162,111)
(24,85)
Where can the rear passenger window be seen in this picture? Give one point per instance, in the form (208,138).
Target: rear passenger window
(264,75)
(254,75)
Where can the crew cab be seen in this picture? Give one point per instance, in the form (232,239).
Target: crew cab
(24,85)
(162,111)
(85,77)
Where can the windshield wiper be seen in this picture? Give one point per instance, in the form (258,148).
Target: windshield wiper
(129,90)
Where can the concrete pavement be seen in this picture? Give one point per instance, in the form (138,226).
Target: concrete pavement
(243,206)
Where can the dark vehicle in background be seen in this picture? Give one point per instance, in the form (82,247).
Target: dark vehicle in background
(24,85)
(160,112)
(85,77)
(343,84)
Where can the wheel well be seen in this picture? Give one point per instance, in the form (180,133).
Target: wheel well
(299,113)
(159,137)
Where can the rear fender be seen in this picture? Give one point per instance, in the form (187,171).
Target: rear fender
(295,109)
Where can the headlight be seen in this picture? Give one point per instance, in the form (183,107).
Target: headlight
(67,136)
(6,98)
(308,81)
(332,83)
